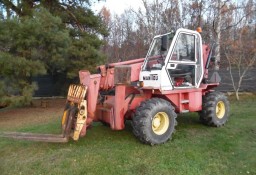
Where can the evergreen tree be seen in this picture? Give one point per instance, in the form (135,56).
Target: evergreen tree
(58,37)
(29,48)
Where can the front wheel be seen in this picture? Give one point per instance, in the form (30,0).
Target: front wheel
(215,110)
(154,121)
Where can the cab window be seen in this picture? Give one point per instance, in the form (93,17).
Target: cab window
(184,49)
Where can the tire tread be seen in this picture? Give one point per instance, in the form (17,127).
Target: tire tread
(208,114)
(143,112)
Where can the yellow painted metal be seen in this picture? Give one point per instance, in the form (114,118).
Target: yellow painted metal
(75,98)
(76,93)
(220,109)
(81,119)
(160,123)
(64,117)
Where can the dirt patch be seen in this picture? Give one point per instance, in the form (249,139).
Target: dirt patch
(11,119)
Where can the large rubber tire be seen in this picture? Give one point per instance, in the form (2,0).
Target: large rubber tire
(215,110)
(154,121)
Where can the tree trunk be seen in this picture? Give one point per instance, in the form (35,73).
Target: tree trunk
(8,13)
(237,95)
(218,33)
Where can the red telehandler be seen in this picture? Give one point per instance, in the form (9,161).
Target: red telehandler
(151,91)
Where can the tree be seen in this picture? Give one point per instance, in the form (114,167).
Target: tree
(158,17)
(62,37)
(84,28)
(124,41)
(29,48)
(241,56)
(131,33)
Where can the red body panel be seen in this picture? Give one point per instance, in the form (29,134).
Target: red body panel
(92,82)
(107,74)
(188,99)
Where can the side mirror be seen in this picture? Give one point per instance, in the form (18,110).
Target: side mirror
(164,43)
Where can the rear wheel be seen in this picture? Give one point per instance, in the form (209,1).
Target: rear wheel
(215,110)
(154,121)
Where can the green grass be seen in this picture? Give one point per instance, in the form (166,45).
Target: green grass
(195,149)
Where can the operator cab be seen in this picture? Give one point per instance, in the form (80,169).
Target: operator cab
(174,61)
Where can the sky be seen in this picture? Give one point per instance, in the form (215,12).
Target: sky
(117,6)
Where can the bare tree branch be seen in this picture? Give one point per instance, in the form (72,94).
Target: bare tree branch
(10,5)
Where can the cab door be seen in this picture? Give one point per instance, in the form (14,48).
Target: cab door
(184,66)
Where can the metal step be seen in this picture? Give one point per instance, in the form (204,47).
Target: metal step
(35,137)
(184,101)
(104,109)
(185,111)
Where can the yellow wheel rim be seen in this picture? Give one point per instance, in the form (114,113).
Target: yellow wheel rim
(220,109)
(160,123)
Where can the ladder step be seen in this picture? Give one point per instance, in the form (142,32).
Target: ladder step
(184,111)
(104,109)
(184,101)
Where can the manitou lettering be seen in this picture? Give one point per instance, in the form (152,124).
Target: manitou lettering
(151,77)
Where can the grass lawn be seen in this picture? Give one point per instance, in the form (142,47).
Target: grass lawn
(195,149)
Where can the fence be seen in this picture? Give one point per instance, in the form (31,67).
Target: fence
(48,87)
(248,83)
